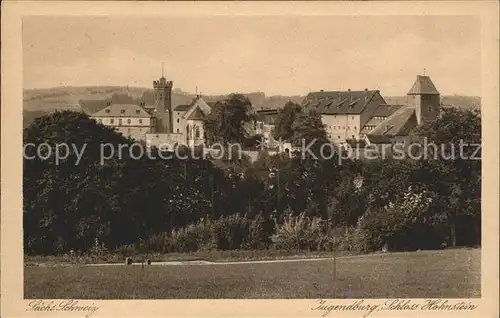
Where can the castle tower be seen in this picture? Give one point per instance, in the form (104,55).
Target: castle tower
(163,103)
(425,98)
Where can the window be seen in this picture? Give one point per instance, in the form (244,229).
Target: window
(352,117)
(338,137)
(343,127)
(137,111)
(129,121)
(140,121)
(429,109)
(197,133)
(120,122)
(348,127)
(177,130)
(352,136)
(107,111)
(111,121)
(122,111)
(178,119)
(355,128)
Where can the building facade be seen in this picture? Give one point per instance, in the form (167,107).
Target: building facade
(344,113)
(365,115)
(130,120)
(347,116)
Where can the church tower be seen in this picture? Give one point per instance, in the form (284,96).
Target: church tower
(425,98)
(163,103)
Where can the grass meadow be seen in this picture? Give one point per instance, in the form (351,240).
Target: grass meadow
(448,273)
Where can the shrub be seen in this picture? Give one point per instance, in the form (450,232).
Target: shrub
(301,232)
(226,233)
(400,225)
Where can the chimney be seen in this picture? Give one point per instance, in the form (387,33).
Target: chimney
(366,90)
(321,90)
(349,90)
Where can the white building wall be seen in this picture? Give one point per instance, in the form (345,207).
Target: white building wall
(133,127)
(124,121)
(179,122)
(339,128)
(165,141)
(196,134)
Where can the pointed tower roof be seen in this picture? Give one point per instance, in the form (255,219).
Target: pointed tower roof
(423,86)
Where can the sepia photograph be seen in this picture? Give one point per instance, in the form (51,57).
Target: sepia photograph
(253,156)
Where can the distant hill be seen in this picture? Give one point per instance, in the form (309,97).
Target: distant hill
(90,99)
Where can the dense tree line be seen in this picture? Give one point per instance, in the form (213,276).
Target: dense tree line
(404,203)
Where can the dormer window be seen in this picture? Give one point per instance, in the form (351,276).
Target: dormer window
(137,111)
(107,111)
(122,111)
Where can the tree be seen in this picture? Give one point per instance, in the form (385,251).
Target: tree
(456,177)
(226,122)
(126,198)
(308,128)
(285,120)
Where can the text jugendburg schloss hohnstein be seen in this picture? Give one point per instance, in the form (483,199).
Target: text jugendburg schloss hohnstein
(367,307)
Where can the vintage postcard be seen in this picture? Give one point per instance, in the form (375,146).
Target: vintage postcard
(259,159)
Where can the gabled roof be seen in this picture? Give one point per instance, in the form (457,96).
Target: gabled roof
(122,110)
(339,102)
(386,110)
(395,124)
(197,114)
(198,103)
(423,86)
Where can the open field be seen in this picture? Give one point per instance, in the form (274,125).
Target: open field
(448,273)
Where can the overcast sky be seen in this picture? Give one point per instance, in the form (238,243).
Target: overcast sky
(277,55)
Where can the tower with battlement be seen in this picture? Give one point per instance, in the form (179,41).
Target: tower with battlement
(163,104)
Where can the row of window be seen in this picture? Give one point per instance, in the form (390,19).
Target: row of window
(343,127)
(369,127)
(122,111)
(335,116)
(120,121)
(380,117)
(338,137)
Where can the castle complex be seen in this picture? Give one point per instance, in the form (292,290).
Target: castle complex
(347,115)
